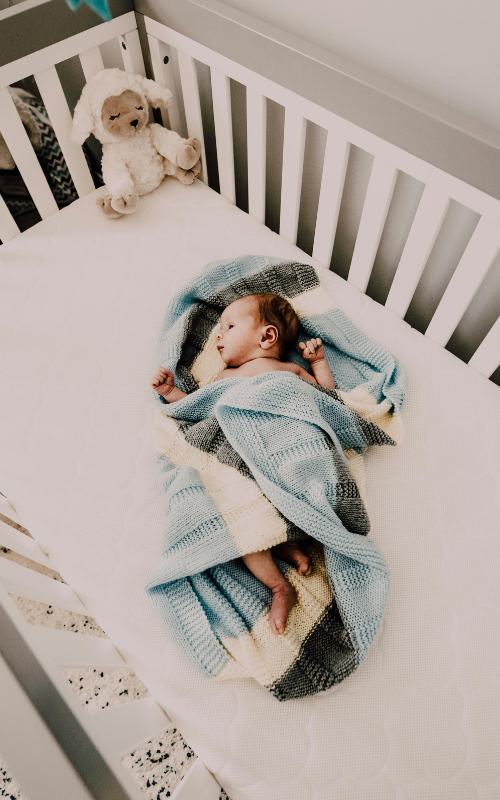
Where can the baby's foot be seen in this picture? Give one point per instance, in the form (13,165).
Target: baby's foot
(292,552)
(284,599)
(163,381)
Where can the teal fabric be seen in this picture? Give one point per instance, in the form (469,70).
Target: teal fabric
(99,6)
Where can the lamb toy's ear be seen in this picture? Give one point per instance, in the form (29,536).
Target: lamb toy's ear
(83,121)
(154,93)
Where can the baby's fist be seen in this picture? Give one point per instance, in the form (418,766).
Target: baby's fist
(163,381)
(312,350)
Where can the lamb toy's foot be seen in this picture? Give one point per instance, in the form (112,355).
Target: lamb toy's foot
(125,204)
(104,205)
(188,153)
(187,176)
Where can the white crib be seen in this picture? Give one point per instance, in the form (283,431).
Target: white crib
(75,755)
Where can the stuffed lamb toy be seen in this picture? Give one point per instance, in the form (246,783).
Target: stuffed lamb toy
(136,156)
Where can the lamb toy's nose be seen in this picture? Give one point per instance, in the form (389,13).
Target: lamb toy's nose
(134,122)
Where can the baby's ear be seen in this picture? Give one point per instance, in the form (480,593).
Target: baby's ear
(269,337)
(155,94)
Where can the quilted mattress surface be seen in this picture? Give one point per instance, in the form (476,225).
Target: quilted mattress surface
(82,299)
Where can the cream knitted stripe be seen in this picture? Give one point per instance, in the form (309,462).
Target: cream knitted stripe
(360,400)
(253,522)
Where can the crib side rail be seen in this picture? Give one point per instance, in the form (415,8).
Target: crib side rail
(23,731)
(388,162)
(42,65)
(90,747)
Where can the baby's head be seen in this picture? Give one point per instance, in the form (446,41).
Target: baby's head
(256,326)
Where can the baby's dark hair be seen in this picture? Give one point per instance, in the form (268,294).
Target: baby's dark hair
(275,310)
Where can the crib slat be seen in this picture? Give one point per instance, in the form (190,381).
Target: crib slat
(192,108)
(92,63)
(424,230)
(221,98)
(125,727)
(73,649)
(332,186)
(23,154)
(378,198)
(198,783)
(487,356)
(474,264)
(256,153)
(191,98)
(8,226)
(27,583)
(164,75)
(59,114)
(130,48)
(291,181)
(23,545)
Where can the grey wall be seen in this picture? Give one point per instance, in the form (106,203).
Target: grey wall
(41,25)
(446,50)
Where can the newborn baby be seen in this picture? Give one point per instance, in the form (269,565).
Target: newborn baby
(255,332)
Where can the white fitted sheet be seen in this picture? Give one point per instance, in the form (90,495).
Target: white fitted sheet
(81,303)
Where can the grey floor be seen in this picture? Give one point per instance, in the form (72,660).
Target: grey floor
(158,765)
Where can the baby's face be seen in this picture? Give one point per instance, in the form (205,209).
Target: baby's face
(239,334)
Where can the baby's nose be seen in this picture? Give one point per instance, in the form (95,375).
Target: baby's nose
(219,335)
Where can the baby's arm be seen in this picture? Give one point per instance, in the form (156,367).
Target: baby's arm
(163,383)
(302,373)
(314,353)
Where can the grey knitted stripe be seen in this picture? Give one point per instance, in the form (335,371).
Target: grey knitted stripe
(326,657)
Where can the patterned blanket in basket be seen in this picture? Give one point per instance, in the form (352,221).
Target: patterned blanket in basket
(247,463)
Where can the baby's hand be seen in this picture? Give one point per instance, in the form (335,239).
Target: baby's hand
(163,381)
(312,350)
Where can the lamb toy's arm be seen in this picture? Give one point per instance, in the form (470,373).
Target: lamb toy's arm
(184,153)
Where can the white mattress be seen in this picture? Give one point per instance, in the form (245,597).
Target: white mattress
(81,303)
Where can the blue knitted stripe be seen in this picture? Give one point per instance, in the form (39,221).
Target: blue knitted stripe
(188,625)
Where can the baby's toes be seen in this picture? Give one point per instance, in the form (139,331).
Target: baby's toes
(304,566)
(300,560)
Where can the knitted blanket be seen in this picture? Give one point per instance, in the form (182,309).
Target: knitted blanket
(247,463)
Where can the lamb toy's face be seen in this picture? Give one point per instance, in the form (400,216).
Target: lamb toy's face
(124,115)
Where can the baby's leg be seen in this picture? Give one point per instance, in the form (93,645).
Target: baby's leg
(263,566)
